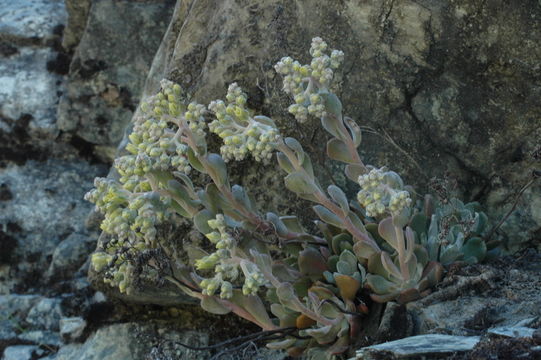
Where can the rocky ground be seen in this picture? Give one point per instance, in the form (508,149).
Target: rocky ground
(72,73)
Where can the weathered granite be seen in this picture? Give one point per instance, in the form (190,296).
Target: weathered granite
(109,67)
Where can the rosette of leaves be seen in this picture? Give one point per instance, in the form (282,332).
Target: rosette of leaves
(453,232)
(405,274)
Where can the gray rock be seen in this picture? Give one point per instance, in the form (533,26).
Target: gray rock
(77,18)
(26,88)
(70,254)
(396,323)
(46,314)
(131,341)
(72,328)
(420,345)
(7,331)
(495,297)
(418,73)
(109,68)
(21,352)
(514,331)
(40,337)
(31,18)
(17,306)
(47,204)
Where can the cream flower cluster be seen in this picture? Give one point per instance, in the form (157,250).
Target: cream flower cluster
(241,133)
(306,82)
(226,270)
(381,191)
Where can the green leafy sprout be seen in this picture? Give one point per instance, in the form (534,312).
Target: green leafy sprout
(269,269)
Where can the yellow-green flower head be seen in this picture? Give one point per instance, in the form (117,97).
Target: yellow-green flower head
(242,133)
(306,82)
(381,192)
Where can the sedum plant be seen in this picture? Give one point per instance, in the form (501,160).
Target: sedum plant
(314,286)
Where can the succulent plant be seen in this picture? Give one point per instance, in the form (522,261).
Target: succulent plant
(404,275)
(269,269)
(454,232)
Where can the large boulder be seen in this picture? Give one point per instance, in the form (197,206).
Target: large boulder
(445,91)
(109,67)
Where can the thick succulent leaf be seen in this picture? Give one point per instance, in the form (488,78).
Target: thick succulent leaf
(331,262)
(362,250)
(481,223)
(240,195)
(282,344)
(350,258)
(408,295)
(402,219)
(475,250)
(265,120)
(327,216)
(410,240)
(307,165)
(343,267)
(180,210)
(194,161)
(284,163)
(421,254)
(312,263)
(292,223)
(296,146)
(356,222)
(473,206)
(201,219)
(337,150)
(380,285)
(187,183)
(263,261)
(347,285)
(389,265)
(324,334)
(353,171)
(394,180)
(214,306)
(213,199)
(339,197)
(375,266)
(329,310)
(218,168)
(304,322)
(301,286)
(321,293)
(450,254)
(179,190)
(299,183)
(333,105)
(433,229)
(286,316)
(385,298)
(254,306)
(419,224)
(284,272)
(329,278)
(354,130)
(387,231)
(433,272)
(428,206)
(341,242)
(339,347)
(286,293)
(279,225)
